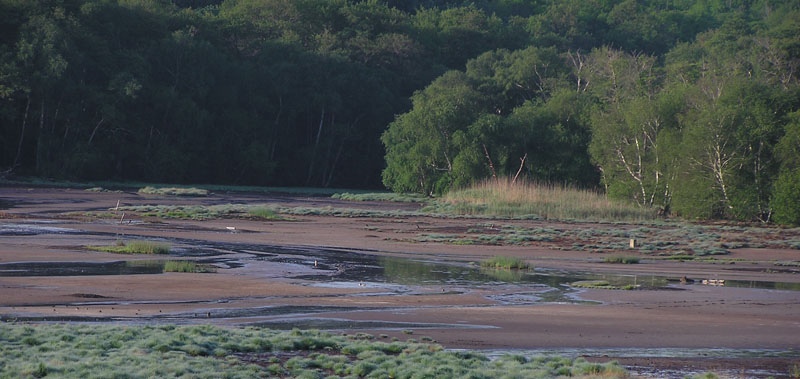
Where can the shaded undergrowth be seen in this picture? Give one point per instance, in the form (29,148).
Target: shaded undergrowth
(213,352)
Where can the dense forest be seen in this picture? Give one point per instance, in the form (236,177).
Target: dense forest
(692,107)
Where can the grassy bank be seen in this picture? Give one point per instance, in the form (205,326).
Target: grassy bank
(548,201)
(212,352)
(383,196)
(174,191)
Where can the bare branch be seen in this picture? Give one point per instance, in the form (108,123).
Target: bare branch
(521,165)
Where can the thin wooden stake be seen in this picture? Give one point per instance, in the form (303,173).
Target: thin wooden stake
(521,165)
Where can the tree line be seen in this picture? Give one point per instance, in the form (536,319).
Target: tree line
(691,106)
(708,129)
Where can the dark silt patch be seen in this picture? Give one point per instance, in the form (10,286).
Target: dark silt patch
(81,268)
(88,296)
(133,267)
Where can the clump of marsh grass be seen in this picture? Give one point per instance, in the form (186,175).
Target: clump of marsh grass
(549,201)
(134,247)
(382,196)
(173,191)
(187,266)
(505,262)
(621,259)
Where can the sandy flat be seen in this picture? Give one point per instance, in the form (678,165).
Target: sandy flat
(680,316)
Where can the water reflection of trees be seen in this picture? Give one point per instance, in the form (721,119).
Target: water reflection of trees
(406,271)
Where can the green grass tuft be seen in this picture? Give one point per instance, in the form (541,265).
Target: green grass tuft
(173,191)
(134,247)
(41,371)
(505,262)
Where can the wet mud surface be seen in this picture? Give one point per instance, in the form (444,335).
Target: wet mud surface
(345,274)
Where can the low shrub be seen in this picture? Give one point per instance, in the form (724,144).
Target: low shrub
(621,259)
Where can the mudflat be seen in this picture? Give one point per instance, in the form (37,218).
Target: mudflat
(391,269)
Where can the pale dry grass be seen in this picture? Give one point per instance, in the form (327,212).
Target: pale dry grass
(549,201)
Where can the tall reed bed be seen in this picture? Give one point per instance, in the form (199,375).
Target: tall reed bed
(549,201)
